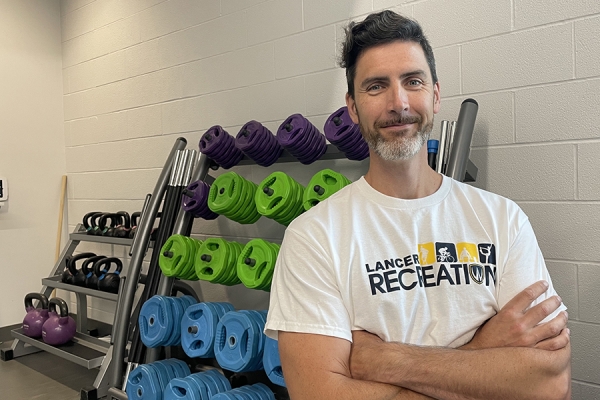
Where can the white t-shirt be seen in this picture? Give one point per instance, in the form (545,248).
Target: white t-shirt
(427,271)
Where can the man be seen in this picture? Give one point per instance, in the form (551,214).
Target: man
(364,302)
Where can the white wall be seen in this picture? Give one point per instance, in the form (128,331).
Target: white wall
(138,74)
(32,147)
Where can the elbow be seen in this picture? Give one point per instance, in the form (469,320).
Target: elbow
(560,388)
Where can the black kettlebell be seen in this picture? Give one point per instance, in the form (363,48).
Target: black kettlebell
(134,222)
(68,275)
(108,282)
(91,280)
(86,221)
(78,275)
(108,230)
(95,224)
(122,230)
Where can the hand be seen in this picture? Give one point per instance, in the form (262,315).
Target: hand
(517,326)
(366,348)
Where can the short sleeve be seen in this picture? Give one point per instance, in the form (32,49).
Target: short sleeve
(525,265)
(304,293)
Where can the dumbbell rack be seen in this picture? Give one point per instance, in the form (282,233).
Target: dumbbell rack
(84,349)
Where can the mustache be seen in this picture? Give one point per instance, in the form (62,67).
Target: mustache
(398,121)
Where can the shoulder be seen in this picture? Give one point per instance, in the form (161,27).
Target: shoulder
(487,203)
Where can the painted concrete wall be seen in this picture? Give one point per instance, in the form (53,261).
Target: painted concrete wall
(32,147)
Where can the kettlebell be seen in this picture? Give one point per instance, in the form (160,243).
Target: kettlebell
(93,223)
(108,282)
(91,280)
(134,222)
(122,230)
(35,317)
(86,221)
(60,327)
(71,270)
(103,228)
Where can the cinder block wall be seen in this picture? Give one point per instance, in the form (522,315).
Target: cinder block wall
(138,74)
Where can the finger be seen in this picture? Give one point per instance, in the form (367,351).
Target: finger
(551,328)
(555,343)
(524,299)
(537,313)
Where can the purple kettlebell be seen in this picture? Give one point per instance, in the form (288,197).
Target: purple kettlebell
(60,327)
(35,317)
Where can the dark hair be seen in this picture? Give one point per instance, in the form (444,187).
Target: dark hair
(380,28)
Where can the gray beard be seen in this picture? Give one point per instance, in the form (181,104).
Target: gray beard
(398,148)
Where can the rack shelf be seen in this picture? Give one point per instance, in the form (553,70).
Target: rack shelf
(79,350)
(55,282)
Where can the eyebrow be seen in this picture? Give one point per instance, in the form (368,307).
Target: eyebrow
(385,79)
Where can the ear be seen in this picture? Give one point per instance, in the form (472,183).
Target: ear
(351,104)
(436,98)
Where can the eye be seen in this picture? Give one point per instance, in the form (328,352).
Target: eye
(374,87)
(415,82)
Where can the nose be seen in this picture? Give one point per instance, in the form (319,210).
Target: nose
(398,99)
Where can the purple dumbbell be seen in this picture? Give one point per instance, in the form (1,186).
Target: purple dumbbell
(219,145)
(195,200)
(343,133)
(302,139)
(258,143)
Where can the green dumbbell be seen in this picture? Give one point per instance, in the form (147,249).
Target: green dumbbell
(256,264)
(322,185)
(279,197)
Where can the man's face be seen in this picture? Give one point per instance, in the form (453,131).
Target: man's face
(394,99)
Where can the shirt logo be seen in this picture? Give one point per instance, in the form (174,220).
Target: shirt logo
(434,264)
(476,272)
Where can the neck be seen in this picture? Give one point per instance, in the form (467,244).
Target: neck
(404,179)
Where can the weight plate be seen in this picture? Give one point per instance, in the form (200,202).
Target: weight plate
(182,388)
(272,362)
(179,307)
(235,344)
(180,367)
(225,396)
(156,321)
(200,384)
(211,386)
(218,379)
(224,192)
(263,257)
(143,384)
(210,269)
(202,318)
(269,395)
(165,371)
(255,361)
(246,392)
(179,248)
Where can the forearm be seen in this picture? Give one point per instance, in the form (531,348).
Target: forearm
(340,387)
(498,373)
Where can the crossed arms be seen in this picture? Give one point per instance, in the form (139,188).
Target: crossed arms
(511,356)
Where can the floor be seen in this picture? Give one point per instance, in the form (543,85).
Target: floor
(41,376)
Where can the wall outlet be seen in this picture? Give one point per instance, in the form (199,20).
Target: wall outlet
(3,189)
